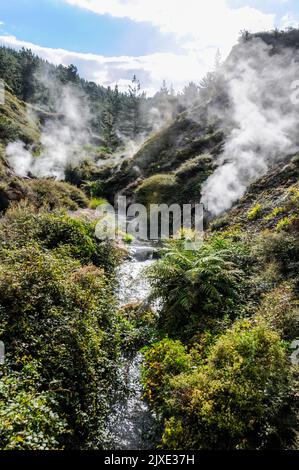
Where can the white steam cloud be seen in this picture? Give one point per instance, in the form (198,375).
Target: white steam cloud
(63,137)
(266,120)
(66,134)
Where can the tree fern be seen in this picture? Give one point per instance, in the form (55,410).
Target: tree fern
(190,283)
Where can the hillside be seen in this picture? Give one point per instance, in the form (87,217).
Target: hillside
(179,159)
(206,335)
(178,154)
(18,121)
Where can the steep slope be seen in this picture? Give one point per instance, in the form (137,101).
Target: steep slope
(270,203)
(190,143)
(245,115)
(19,121)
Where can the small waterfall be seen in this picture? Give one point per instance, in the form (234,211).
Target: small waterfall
(130,423)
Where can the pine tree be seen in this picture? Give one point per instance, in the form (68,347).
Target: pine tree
(29,64)
(110,118)
(134,111)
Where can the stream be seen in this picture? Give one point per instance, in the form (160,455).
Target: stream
(130,425)
(131,422)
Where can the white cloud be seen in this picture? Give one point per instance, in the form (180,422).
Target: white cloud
(200,28)
(197,23)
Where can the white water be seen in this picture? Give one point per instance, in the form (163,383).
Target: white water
(130,421)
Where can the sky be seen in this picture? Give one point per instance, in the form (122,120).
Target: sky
(111,40)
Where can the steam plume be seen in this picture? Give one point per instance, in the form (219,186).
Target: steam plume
(63,136)
(266,120)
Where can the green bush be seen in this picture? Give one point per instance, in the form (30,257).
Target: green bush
(96,202)
(162,361)
(62,315)
(277,211)
(157,189)
(138,326)
(9,130)
(280,309)
(57,311)
(28,420)
(56,194)
(236,398)
(194,285)
(191,167)
(285,223)
(280,248)
(69,236)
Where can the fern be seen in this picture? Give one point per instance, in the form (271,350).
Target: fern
(191,283)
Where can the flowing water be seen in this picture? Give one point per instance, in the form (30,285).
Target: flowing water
(130,425)
(130,422)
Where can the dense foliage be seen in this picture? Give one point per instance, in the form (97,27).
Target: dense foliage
(116,116)
(235,396)
(61,331)
(225,380)
(197,286)
(216,372)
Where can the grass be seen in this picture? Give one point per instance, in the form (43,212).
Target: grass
(17,121)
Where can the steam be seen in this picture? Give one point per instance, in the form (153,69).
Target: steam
(266,121)
(66,133)
(63,137)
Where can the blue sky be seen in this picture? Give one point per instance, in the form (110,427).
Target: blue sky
(56,24)
(109,40)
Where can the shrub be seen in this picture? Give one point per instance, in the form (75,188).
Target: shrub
(96,202)
(127,237)
(191,167)
(62,315)
(162,361)
(194,285)
(9,130)
(285,223)
(56,231)
(138,326)
(56,194)
(57,310)
(94,188)
(280,309)
(157,189)
(293,194)
(275,213)
(28,420)
(236,398)
(281,248)
(219,224)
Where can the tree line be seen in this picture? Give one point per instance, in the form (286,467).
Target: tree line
(116,115)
